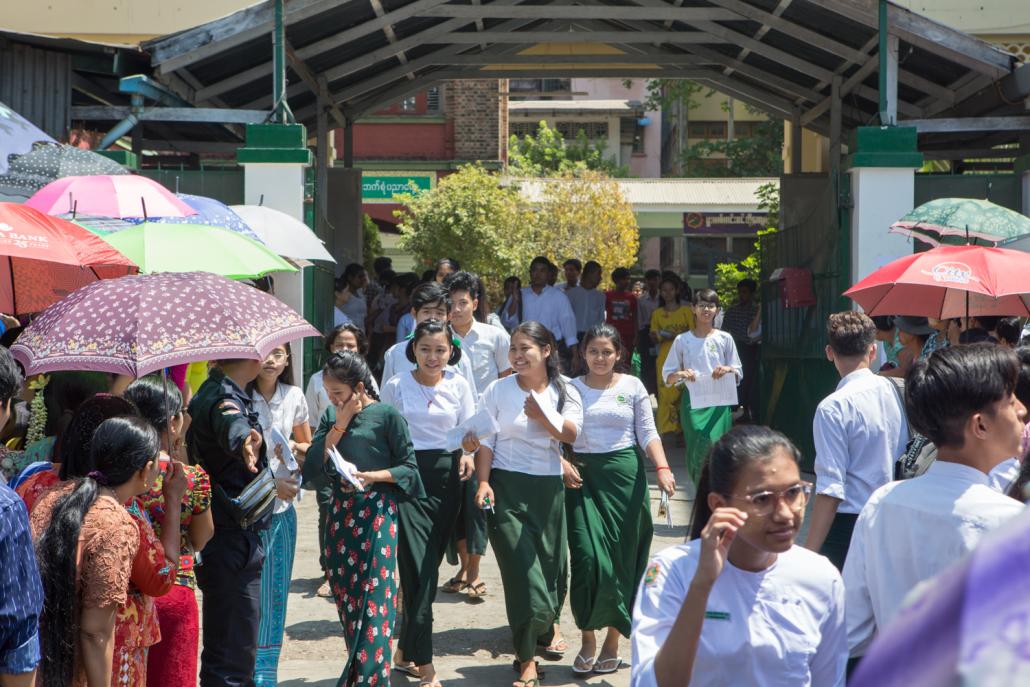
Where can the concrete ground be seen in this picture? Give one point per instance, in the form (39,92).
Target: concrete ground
(472,641)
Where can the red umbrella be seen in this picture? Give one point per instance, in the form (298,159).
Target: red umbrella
(947,282)
(44,258)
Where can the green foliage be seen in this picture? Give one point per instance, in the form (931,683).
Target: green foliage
(728,274)
(666,94)
(548,154)
(769,200)
(371,243)
(759,155)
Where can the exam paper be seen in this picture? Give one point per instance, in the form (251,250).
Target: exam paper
(707,392)
(663,509)
(287,466)
(289,460)
(482,424)
(346,469)
(551,413)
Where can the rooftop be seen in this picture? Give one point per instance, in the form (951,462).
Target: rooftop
(673,194)
(517,106)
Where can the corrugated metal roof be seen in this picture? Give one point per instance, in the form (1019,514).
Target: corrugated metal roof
(563,105)
(672,193)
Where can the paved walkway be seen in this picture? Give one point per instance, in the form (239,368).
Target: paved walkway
(472,641)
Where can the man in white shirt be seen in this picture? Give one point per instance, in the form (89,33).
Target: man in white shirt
(859,430)
(546,305)
(961,398)
(586,301)
(573,269)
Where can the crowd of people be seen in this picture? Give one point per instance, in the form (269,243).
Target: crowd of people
(440,428)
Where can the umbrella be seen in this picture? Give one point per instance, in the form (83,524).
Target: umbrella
(947,282)
(138,325)
(282,233)
(213,213)
(966,218)
(195,247)
(44,258)
(109,196)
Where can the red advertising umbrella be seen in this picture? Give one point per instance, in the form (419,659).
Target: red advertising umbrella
(44,258)
(947,282)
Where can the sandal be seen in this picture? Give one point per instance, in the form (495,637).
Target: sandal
(517,667)
(600,668)
(409,669)
(453,585)
(583,665)
(476,590)
(555,651)
(531,682)
(324,591)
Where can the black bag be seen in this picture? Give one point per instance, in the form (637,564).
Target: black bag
(920,452)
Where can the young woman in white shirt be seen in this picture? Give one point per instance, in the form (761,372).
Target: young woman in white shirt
(607,503)
(519,470)
(741,603)
(433,399)
(280,405)
(697,356)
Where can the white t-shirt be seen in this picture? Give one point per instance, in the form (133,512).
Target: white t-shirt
(286,409)
(405,326)
(318,399)
(615,418)
(588,306)
(430,410)
(486,347)
(523,445)
(783,626)
(550,308)
(356,308)
(702,355)
(396,361)
(339,318)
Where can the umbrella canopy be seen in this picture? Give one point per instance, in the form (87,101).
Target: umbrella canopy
(965,218)
(282,233)
(949,281)
(109,196)
(44,258)
(159,247)
(141,324)
(213,213)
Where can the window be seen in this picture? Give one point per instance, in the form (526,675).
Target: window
(409,104)
(544,89)
(703,252)
(595,131)
(433,100)
(631,134)
(521,129)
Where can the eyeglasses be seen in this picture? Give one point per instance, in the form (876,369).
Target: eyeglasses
(764,503)
(707,306)
(278,356)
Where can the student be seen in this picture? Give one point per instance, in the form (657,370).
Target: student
(893,358)
(621,307)
(429,301)
(400,323)
(519,471)
(540,302)
(738,317)
(378,318)
(586,301)
(486,347)
(1009,331)
(433,399)
(350,294)
(859,430)
(741,599)
(647,303)
(573,269)
(671,319)
(444,268)
(703,352)
(510,312)
(360,545)
(606,499)
(963,399)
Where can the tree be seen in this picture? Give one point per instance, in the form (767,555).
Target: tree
(758,155)
(371,243)
(548,154)
(728,274)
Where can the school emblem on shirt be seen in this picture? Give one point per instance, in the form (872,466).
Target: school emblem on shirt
(651,575)
(621,398)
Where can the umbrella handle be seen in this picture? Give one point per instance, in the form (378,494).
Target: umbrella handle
(143,202)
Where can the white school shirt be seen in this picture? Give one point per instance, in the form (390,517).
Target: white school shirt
(702,355)
(615,418)
(587,305)
(1005,474)
(430,410)
(286,409)
(783,626)
(396,361)
(486,347)
(646,305)
(339,318)
(405,326)
(318,399)
(860,430)
(356,309)
(523,445)
(550,308)
(910,531)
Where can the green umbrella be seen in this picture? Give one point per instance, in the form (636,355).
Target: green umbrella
(967,219)
(159,247)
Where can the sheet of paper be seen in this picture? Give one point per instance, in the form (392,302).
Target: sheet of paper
(663,507)
(482,424)
(706,392)
(289,460)
(346,469)
(551,413)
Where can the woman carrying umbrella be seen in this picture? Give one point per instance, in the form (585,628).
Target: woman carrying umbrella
(361,540)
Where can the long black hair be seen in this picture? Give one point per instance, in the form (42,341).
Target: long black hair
(428,328)
(121,447)
(74,448)
(602,331)
(349,367)
(737,449)
(359,336)
(542,336)
(157,399)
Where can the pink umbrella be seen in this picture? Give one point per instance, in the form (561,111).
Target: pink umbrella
(127,195)
(141,324)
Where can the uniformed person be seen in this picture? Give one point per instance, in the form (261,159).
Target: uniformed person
(225,439)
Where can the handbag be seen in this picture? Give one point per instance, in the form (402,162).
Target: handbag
(255,502)
(920,452)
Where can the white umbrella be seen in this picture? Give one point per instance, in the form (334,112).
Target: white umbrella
(285,235)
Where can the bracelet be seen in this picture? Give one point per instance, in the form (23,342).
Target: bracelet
(664,467)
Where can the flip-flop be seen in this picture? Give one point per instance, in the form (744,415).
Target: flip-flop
(517,667)
(601,670)
(409,669)
(555,651)
(581,660)
(476,590)
(453,585)
(531,682)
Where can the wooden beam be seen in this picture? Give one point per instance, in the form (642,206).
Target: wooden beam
(940,126)
(190,146)
(968,153)
(206,115)
(317,87)
(562,11)
(531,37)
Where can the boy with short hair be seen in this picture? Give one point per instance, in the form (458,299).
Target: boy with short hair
(621,306)
(573,270)
(963,399)
(859,431)
(587,302)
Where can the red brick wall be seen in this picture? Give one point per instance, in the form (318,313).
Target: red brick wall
(398,141)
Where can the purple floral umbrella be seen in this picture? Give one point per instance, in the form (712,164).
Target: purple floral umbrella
(138,325)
